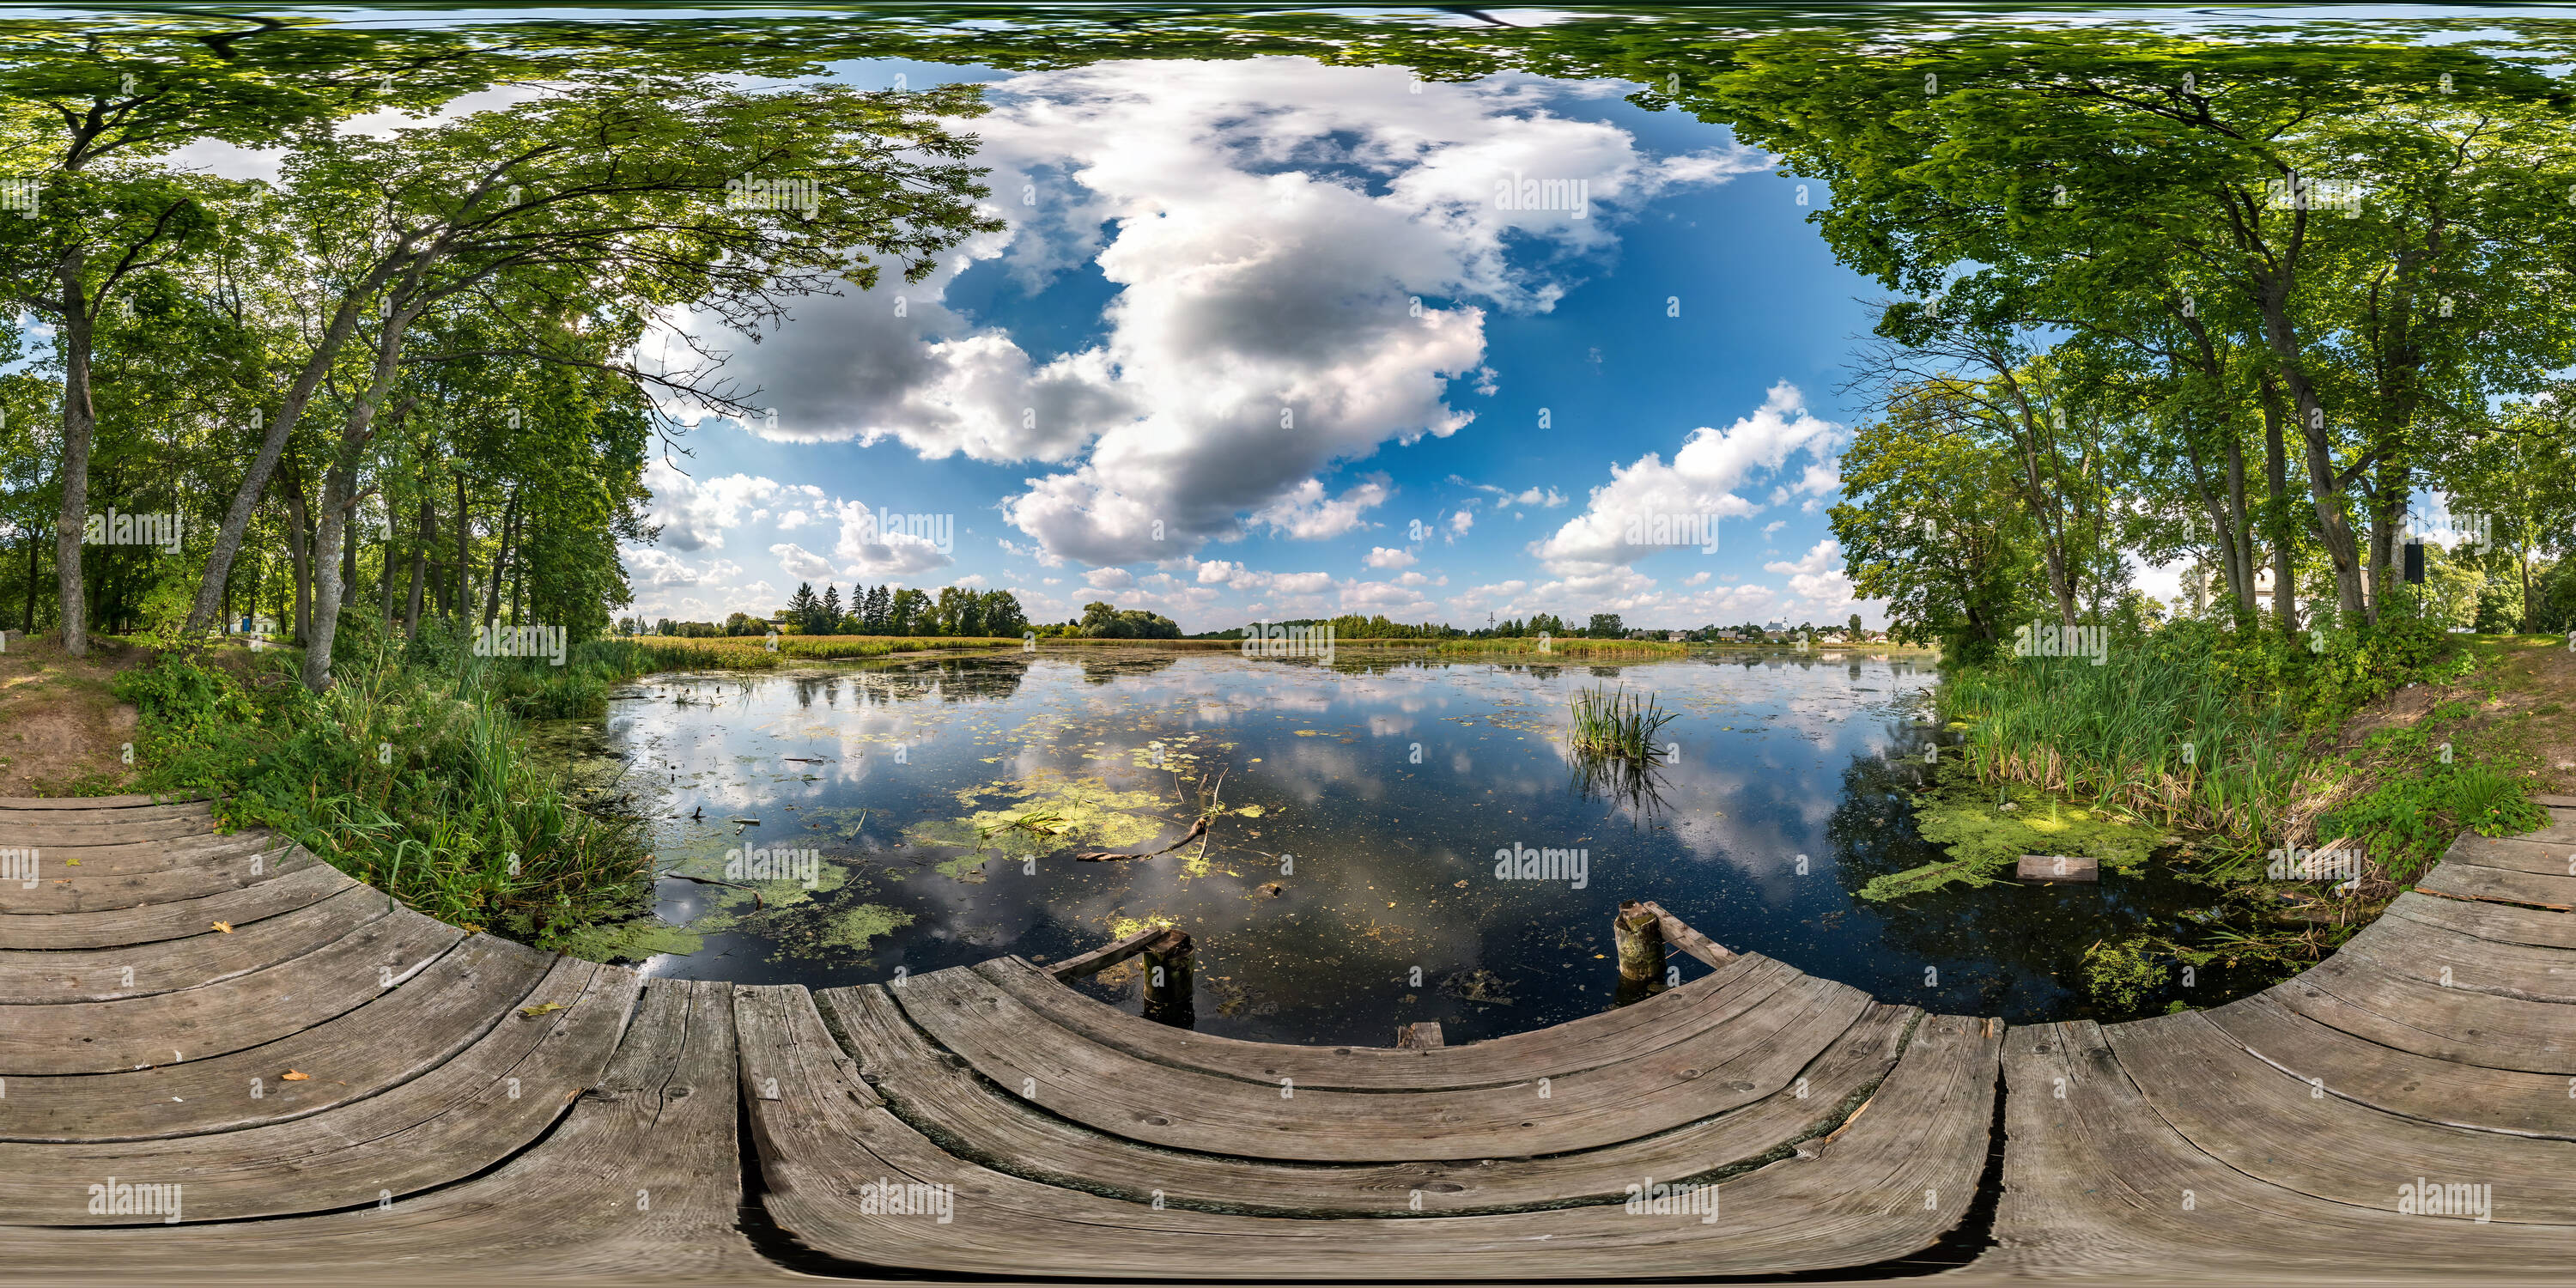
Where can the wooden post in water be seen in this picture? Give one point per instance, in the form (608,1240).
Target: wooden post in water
(1640,934)
(1169,992)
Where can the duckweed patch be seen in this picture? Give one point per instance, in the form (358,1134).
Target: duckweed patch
(1038,815)
(1986,832)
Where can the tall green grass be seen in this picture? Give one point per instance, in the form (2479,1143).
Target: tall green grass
(1617,724)
(2152,731)
(415,779)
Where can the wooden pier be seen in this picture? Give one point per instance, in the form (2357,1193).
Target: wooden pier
(221,1057)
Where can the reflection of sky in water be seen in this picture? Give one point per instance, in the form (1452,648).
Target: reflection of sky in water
(1392,784)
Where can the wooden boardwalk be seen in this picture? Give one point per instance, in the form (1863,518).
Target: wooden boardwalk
(316,1079)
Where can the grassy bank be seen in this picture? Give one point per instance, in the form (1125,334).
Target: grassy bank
(2219,751)
(410,774)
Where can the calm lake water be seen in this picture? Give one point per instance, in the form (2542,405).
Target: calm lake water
(1350,885)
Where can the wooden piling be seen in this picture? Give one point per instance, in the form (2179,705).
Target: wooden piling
(1639,931)
(1169,989)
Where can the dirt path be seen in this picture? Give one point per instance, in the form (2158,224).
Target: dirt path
(61,727)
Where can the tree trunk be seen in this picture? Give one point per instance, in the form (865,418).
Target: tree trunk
(2285,596)
(428,532)
(80,429)
(2521,560)
(2240,528)
(340,499)
(326,352)
(297,550)
(518,580)
(31,579)
(349,558)
(385,578)
(500,557)
(464,552)
(2333,529)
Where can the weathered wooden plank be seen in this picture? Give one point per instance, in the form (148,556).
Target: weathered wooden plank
(2561,829)
(2398,1082)
(138,970)
(1422,1035)
(417,1026)
(2096,1182)
(2472,881)
(202,811)
(43,828)
(2514,854)
(1585,1043)
(82,893)
(212,1019)
(2448,959)
(1679,934)
(114,927)
(2365,1000)
(1888,1185)
(2503,923)
(129,800)
(2058,867)
(459,1118)
(636,1185)
(94,862)
(1112,953)
(1752,1054)
(922,1086)
(2288,1131)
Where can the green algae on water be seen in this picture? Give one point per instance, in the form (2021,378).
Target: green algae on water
(631,940)
(1985,840)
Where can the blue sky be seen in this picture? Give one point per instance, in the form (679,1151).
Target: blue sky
(1271,339)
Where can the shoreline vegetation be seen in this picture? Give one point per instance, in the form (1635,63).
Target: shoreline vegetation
(2230,757)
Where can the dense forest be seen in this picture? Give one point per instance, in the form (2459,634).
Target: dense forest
(2250,313)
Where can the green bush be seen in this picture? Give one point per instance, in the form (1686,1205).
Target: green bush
(2406,824)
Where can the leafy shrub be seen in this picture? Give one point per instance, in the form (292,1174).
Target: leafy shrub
(2407,823)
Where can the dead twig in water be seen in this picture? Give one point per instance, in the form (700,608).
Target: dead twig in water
(677,875)
(1112,856)
(1216,808)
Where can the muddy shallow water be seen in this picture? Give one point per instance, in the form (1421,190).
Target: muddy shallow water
(913,815)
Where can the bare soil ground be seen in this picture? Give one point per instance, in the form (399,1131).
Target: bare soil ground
(62,731)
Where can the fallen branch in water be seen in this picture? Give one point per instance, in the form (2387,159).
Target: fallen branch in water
(1196,831)
(678,875)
